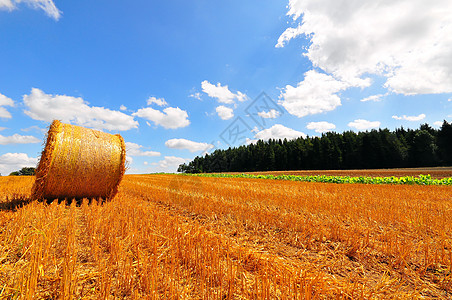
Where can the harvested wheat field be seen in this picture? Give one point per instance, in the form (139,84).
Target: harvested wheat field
(183,237)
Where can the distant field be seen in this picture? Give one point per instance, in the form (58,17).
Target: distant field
(437,172)
(185,237)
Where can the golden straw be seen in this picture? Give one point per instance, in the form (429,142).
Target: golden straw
(78,162)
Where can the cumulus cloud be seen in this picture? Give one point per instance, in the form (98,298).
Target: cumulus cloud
(361,124)
(46,107)
(4,114)
(373,98)
(277,131)
(317,93)
(169,118)
(169,164)
(271,114)
(187,144)
(123,108)
(410,118)
(321,127)
(288,34)
(7,5)
(158,101)
(10,162)
(5,101)
(35,128)
(406,41)
(438,123)
(222,93)
(225,113)
(133,149)
(18,139)
(196,95)
(46,5)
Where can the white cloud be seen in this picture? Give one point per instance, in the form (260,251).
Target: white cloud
(406,41)
(170,118)
(449,100)
(361,124)
(271,114)
(46,107)
(169,164)
(321,126)
(225,113)
(6,4)
(241,97)
(374,98)
(438,123)
(158,101)
(277,131)
(46,5)
(222,93)
(134,149)
(18,139)
(288,34)
(196,95)
(187,144)
(35,128)
(317,93)
(5,101)
(10,162)
(123,108)
(4,114)
(410,118)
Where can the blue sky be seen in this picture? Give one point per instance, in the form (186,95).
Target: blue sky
(179,78)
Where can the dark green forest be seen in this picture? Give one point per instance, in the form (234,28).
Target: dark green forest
(26,171)
(423,147)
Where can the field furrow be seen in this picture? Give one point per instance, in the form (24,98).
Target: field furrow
(183,237)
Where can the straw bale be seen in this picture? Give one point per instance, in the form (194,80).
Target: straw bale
(78,162)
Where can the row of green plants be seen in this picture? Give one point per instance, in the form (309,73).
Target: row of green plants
(410,180)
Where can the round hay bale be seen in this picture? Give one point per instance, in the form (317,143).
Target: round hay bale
(78,162)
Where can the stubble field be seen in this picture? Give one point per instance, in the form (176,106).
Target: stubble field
(184,237)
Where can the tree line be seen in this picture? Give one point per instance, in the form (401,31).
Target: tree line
(25,171)
(375,149)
